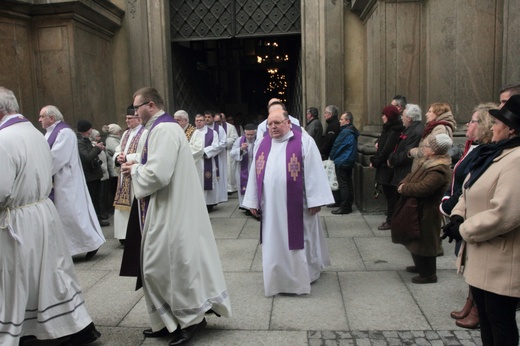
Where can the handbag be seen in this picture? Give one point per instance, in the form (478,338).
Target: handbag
(330,170)
(406,221)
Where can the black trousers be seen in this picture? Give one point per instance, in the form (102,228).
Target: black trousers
(426,265)
(346,187)
(497,316)
(391,196)
(94,189)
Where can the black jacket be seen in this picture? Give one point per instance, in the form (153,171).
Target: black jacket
(331,133)
(399,160)
(88,155)
(386,145)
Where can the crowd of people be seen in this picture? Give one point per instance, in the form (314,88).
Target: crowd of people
(162,165)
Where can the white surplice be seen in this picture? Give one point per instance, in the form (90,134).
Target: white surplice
(222,164)
(262,127)
(71,195)
(284,270)
(232,135)
(236,155)
(39,292)
(121,216)
(180,265)
(199,150)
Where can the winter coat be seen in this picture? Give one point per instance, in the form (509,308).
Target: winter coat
(329,137)
(89,159)
(399,159)
(315,129)
(386,145)
(491,229)
(428,183)
(416,153)
(112,142)
(344,150)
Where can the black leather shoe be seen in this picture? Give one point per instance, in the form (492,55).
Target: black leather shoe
(187,334)
(149,333)
(384,227)
(333,205)
(104,223)
(412,269)
(91,254)
(86,336)
(341,211)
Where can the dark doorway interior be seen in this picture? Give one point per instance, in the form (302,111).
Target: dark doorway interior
(237,76)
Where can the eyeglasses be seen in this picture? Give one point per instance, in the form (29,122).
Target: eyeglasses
(142,104)
(472,121)
(276,123)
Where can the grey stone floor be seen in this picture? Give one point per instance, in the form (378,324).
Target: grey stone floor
(364,298)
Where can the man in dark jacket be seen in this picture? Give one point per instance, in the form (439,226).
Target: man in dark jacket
(343,154)
(332,131)
(88,154)
(314,127)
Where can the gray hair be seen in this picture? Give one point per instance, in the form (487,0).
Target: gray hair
(333,110)
(413,112)
(53,111)
(181,113)
(8,102)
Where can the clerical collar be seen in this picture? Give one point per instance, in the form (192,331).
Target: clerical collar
(284,137)
(50,128)
(154,117)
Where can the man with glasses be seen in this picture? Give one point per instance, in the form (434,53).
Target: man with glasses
(180,268)
(287,186)
(129,149)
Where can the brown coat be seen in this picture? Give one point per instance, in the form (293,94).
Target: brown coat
(492,227)
(429,183)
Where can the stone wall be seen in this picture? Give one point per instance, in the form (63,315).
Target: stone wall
(61,54)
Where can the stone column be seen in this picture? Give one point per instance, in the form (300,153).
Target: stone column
(322,54)
(150,46)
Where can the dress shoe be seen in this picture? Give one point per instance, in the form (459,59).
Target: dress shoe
(187,333)
(412,269)
(86,336)
(465,310)
(104,223)
(104,217)
(424,279)
(91,254)
(471,321)
(149,333)
(122,242)
(384,226)
(341,211)
(333,205)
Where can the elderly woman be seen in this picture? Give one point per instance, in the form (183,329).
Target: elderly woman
(439,119)
(428,183)
(392,128)
(478,132)
(111,142)
(399,159)
(486,218)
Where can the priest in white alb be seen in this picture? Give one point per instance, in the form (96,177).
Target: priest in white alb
(287,186)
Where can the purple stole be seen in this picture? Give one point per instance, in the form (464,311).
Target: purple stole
(224,126)
(294,174)
(208,162)
(216,157)
(165,118)
(244,171)
(54,134)
(18,119)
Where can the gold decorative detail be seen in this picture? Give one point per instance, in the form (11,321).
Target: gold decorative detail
(294,166)
(260,164)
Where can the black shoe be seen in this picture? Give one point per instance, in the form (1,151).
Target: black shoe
(104,217)
(341,211)
(91,254)
(333,205)
(104,223)
(248,213)
(160,333)
(86,336)
(412,269)
(384,227)
(122,242)
(187,334)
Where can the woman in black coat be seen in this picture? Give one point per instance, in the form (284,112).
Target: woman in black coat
(392,128)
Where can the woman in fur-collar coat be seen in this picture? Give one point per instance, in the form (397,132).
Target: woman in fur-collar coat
(428,183)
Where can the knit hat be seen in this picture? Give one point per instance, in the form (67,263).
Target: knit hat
(112,129)
(440,144)
(391,112)
(84,126)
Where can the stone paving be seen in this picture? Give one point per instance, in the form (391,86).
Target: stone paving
(365,297)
